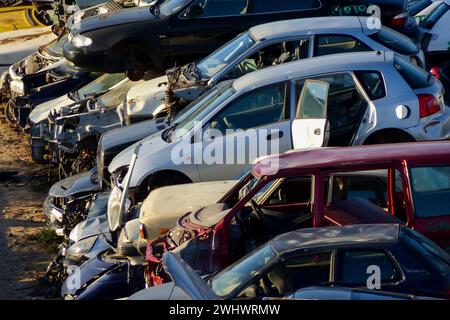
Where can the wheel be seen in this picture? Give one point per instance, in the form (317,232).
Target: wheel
(135,71)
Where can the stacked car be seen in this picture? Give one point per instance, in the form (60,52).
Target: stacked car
(302,140)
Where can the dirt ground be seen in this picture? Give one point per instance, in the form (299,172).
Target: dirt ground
(22,258)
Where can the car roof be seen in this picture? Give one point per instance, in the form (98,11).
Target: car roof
(286,28)
(312,66)
(342,235)
(320,158)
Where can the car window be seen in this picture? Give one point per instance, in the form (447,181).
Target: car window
(431,191)
(218,60)
(331,44)
(168,7)
(218,8)
(369,185)
(291,190)
(266,6)
(345,108)
(355,266)
(271,55)
(301,271)
(258,108)
(416,77)
(232,277)
(100,84)
(395,41)
(372,83)
(433,254)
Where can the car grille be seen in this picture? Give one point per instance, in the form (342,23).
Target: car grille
(111,6)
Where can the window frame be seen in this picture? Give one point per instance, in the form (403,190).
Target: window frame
(317,36)
(286,106)
(396,265)
(182,14)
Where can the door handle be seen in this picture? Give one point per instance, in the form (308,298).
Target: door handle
(317,131)
(275,135)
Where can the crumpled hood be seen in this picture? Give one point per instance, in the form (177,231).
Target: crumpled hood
(210,215)
(41,111)
(148,155)
(145,98)
(109,19)
(70,186)
(89,228)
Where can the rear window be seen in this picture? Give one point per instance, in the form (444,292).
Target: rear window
(395,41)
(416,77)
(431,191)
(426,248)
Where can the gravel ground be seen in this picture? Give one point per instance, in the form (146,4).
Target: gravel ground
(22,258)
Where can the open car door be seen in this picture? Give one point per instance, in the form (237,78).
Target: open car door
(309,125)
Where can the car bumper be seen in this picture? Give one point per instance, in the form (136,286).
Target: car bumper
(436,128)
(84,58)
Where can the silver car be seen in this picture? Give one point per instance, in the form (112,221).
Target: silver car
(262,46)
(339,100)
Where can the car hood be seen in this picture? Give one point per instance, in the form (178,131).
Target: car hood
(41,111)
(151,154)
(70,186)
(145,98)
(89,228)
(209,216)
(112,141)
(165,291)
(186,278)
(109,19)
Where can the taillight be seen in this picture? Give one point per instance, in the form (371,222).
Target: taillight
(435,72)
(428,105)
(400,19)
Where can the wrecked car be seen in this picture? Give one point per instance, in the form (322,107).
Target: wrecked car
(40,77)
(117,40)
(38,118)
(415,192)
(356,108)
(266,45)
(40,13)
(159,211)
(294,261)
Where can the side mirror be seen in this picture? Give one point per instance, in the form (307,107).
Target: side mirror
(194,11)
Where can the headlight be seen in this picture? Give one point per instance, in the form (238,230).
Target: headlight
(135,105)
(18,87)
(114,207)
(80,248)
(79,40)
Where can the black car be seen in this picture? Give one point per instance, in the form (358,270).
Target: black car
(113,39)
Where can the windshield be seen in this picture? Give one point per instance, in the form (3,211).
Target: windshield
(56,49)
(226,281)
(203,106)
(169,7)
(102,83)
(215,62)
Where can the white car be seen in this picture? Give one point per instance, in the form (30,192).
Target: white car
(262,46)
(339,100)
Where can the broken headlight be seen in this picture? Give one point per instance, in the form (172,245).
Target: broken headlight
(80,248)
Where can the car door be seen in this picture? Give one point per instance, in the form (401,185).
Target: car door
(255,124)
(329,112)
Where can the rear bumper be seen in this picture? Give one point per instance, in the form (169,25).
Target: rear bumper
(437,128)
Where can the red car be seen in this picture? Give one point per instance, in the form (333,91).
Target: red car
(316,188)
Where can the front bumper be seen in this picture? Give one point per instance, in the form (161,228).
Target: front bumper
(84,58)
(54,216)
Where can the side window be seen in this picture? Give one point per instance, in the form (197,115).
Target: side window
(267,6)
(368,185)
(301,271)
(271,55)
(332,44)
(291,191)
(258,108)
(373,83)
(353,266)
(345,108)
(217,8)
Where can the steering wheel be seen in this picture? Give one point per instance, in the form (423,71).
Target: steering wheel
(259,213)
